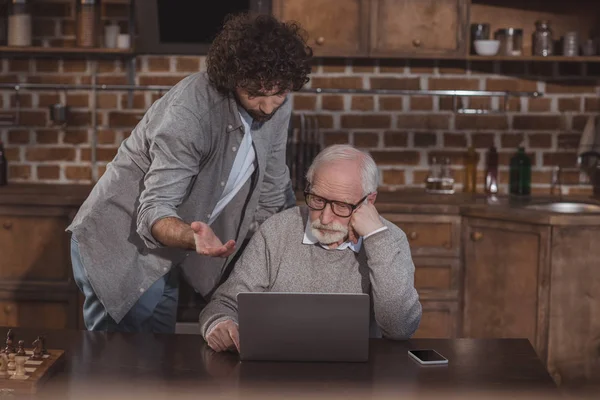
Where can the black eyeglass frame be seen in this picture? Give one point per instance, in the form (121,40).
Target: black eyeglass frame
(330,202)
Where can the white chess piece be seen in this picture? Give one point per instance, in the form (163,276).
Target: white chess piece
(20,365)
(11,362)
(3,365)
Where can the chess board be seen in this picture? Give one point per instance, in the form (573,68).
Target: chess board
(36,373)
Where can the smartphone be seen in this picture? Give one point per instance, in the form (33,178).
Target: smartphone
(427,356)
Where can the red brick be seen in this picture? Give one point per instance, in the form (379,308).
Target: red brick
(76,173)
(50,154)
(513,85)
(107,66)
(420,176)
(18,65)
(332,102)
(487,122)
(53,79)
(395,139)
(535,122)
(19,172)
(514,104)
(396,83)
(447,103)
(579,122)
(337,83)
(46,65)
(102,154)
(18,136)
(569,104)
(480,103)
(393,66)
(562,159)
(511,140)
(46,136)
(25,100)
(101,170)
(368,121)
(330,138)
(363,139)
(48,172)
(580,191)
(334,65)
(566,141)
(539,140)
(159,64)
(363,65)
(78,100)
(9,79)
(305,102)
(592,104)
(571,86)
(12,154)
(455,140)
(107,100)
(456,67)
(160,80)
(79,118)
(421,66)
(423,121)
(453,84)
(421,103)
(396,157)
(76,136)
(47,99)
(106,80)
(393,177)
(187,64)
(539,104)
(424,139)
(541,177)
(33,118)
(362,103)
(116,119)
(138,103)
(106,136)
(75,65)
(483,140)
(324,121)
(392,103)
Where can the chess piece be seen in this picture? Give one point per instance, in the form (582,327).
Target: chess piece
(3,365)
(43,340)
(11,363)
(20,365)
(37,349)
(21,348)
(10,339)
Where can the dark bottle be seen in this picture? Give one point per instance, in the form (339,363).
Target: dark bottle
(3,167)
(520,174)
(491,171)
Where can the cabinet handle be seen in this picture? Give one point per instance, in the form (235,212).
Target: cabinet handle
(7,225)
(416,43)
(320,40)
(413,235)
(476,236)
(8,309)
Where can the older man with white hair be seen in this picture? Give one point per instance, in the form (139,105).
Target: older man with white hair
(337,243)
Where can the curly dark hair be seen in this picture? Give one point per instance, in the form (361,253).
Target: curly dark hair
(259,53)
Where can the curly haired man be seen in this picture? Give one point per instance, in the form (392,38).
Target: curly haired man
(204,165)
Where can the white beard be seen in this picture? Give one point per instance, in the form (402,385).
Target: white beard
(338,232)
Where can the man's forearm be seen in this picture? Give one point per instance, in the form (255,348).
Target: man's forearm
(173,232)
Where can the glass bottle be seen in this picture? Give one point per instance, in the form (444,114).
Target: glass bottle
(542,39)
(446,179)
(3,166)
(87,23)
(491,171)
(433,181)
(470,185)
(520,174)
(19,23)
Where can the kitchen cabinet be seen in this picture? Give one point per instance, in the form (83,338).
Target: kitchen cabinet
(336,28)
(418,27)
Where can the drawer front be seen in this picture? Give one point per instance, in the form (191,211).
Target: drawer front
(430,235)
(42,314)
(34,248)
(436,274)
(439,320)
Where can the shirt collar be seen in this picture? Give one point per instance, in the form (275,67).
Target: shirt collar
(309,238)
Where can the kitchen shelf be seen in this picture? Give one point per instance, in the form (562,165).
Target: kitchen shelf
(535,58)
(40,51)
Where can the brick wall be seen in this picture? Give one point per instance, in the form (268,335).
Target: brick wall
(402,133)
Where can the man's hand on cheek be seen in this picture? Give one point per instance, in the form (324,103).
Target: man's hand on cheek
(365,220)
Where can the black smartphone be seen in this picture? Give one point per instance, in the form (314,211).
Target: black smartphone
(427,356)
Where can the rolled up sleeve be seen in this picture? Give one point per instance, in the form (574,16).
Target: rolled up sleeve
(175,159)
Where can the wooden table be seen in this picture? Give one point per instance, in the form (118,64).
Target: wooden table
(117,365)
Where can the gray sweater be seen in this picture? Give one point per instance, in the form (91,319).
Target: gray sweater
(276,260)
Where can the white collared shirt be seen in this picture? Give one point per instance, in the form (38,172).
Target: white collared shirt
(309,238)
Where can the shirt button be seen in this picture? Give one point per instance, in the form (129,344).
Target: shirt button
(229,126)
(165,269)
(222,183)
(141,290)
(207,215)
(234,149)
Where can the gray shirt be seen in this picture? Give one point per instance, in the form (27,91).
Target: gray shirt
(175,164)
(276,260)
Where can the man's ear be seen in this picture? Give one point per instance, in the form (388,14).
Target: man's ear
(372,197)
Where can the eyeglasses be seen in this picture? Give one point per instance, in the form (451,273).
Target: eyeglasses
(339,208)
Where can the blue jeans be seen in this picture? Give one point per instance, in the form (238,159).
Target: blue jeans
(155,311)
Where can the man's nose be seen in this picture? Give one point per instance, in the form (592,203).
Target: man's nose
(327,215)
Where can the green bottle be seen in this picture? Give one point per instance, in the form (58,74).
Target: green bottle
(520,174)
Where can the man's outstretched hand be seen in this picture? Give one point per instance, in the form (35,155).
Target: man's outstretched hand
(208,244)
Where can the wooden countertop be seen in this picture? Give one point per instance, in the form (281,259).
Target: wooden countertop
(152,366)
(412,201)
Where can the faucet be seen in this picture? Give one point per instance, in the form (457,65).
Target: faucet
(589,153)
(556,182)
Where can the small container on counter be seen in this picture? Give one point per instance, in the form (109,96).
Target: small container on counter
(520,174)
(440,180)
(87,23)
(511,41)
(491,171)
(571,44)
(479,32)
(19,23)
(543,43)
(470,185)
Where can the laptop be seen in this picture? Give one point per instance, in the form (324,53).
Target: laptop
(275,326)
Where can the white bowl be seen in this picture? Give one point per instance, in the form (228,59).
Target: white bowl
(486,47)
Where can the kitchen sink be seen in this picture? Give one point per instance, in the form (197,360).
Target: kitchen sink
(566,207)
